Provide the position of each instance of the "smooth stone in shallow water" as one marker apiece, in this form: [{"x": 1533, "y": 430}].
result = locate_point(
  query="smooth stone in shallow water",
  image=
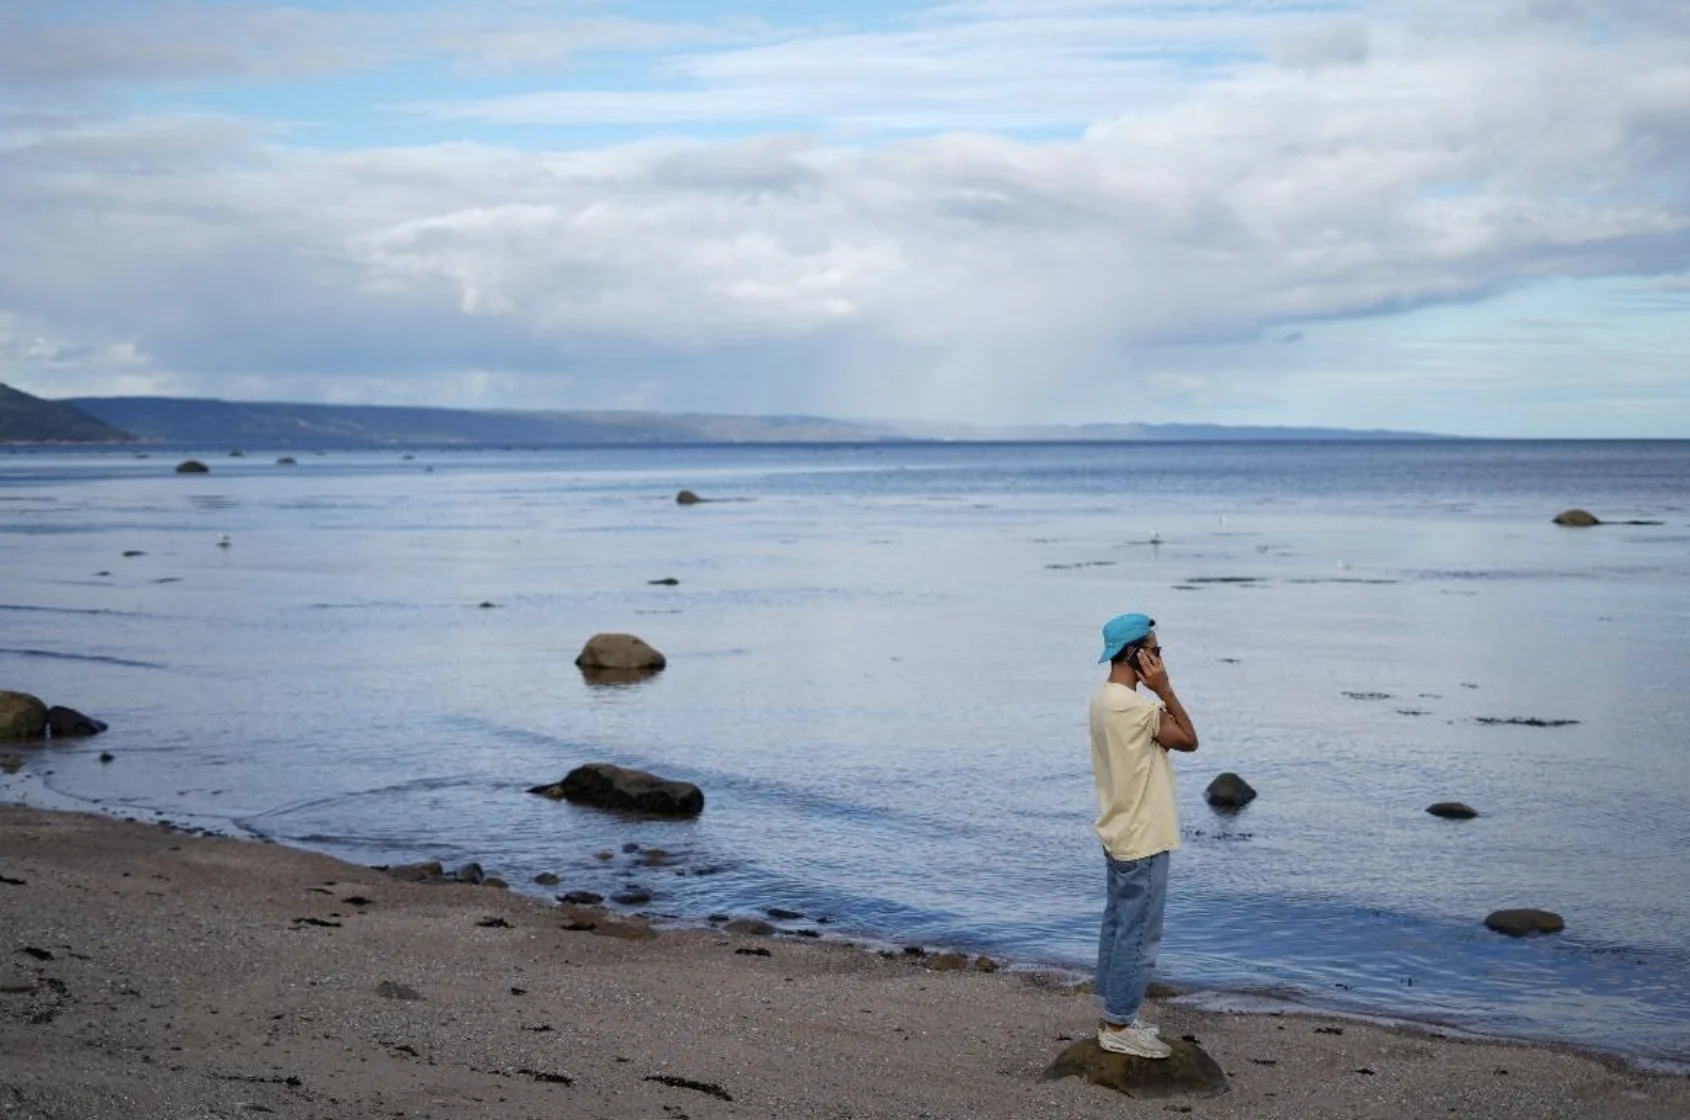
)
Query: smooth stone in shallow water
[
  {"x": 1452, "y": 811},
  {"x": 1577, "y": 518},
  {"x": 22, "y": 716},
  {"x": 1522, "y": 923},
  {"x": 607, "y": 786},
  {"x": 1187, "y": 1072},
  {"x": 192, "y": 466},
  {"x": 1229, "y": 791},
  {"x": 619, "y": 651},
  {"x": 68, "y": 723}
]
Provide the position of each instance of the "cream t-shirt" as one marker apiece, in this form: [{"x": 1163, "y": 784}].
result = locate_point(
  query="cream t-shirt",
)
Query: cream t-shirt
[{"x": 1135, "y": 778}]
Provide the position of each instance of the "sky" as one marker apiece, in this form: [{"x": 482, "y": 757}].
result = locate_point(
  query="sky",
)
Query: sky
[{"x": 1468, "y": 217}]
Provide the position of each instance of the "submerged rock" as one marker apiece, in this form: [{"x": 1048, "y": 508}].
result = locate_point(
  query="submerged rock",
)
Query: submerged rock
[
  {"x": 1522, "y": 923},
  {"x": 1229, "y": 791},
  {"x": 192, "y": 466},
  {"x": 22, "y": 716},
  {"x": 1452, "y": 810},
  {"x": 687, "y": 498},
  {"x": 1577, "y": 518},
  {"x": 614, "y": 787},
  {"x": 1188, "y": 1072}
]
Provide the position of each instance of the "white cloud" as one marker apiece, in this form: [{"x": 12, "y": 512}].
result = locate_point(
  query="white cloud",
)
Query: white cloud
[{"x": 1365, "y": 169}]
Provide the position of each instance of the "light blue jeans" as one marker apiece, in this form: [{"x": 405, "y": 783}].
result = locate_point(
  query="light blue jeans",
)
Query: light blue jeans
[{"x": 1131, "y": 935}]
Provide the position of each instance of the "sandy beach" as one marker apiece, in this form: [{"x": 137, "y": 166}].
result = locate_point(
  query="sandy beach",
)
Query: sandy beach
[{"x": 151, "y": 973}]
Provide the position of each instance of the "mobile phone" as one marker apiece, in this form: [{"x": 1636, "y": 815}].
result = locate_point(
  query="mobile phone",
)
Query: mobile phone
[{"x": 1132, "y": 658}]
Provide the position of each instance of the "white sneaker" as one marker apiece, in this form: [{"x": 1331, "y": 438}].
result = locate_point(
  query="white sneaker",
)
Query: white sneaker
[
  {"x": 1141, "y": 1024},
  {"x": 1134, "y": 1040}
]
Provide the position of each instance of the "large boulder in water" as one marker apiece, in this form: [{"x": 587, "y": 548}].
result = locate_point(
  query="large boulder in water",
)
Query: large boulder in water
[
  {"x": 1188, "y": 1072},
  {"x": 619, "y": 653},
  {"x": 1522, "y": 923},
  {"x": 631, "y": 791},
  {"x": 68, "y": 723},
  {"x": 22, "y": 716},
  {"x": 1578, "y": 518},
  {"x": 192, "y": 466},
  {"x": 1229, "y": 791}
]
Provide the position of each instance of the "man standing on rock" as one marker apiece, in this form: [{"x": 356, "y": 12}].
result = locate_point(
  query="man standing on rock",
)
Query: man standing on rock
[{"x": 1131, "y": 736}]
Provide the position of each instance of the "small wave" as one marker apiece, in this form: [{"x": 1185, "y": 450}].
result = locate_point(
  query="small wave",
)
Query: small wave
[
  {"x": 71, "y": 610},
  {"x": 82, "y": 657}
]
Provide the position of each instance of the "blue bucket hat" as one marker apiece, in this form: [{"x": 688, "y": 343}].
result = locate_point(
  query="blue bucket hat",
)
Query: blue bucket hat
[{"x": 1122, "y": 631}]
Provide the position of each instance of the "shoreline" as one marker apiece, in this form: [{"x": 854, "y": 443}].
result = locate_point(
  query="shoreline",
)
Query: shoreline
[
  {"x": 1193, "y": 994},
  {"x": 177, "y": 971}
]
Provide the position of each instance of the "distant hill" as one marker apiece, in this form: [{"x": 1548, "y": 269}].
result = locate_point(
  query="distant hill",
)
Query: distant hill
[
  {"x": 217, "y": 423},
  {"x": 27, "y": 419}
]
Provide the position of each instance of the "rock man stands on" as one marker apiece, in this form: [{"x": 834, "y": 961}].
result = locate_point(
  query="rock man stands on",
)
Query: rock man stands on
[{"x": 1138, "y": 823}]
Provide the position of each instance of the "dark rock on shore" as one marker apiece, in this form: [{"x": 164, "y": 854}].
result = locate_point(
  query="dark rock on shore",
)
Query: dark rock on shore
[
  {"x": 947, "y": 962},
  {"x": 619, "y": 652},
  {"x": 1452, "y": 810},
  {"x": 192, "y": 466},
  {"x": 1577, "y": 518},
  {"x": 613, "y": 787},
  {"x": 22, "y": 716},
  {"x": 1229, "y": 791},
  {"x": 68, "y": 723},
  {"x": 1188, "y": 1072},
  {"x": 749, "y": 927},
  {"x": 587, "y": 919},
  {"x": 417, "y": 872},
  {"x": 469, "y": 873},
  {"x": 581, "y": 898},
  {"x": 1522, "y": 923}
]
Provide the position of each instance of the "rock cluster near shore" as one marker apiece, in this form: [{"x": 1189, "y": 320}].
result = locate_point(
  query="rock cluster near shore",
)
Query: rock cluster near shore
[{"x": 24, "y": 717}]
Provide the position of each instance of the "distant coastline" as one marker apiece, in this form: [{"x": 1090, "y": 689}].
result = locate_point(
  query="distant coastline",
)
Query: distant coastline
[{"x": 206, "y": 422}]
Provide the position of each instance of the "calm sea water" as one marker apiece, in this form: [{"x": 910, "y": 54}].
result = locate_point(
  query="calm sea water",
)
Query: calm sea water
[{"x": 880, "y": 663}]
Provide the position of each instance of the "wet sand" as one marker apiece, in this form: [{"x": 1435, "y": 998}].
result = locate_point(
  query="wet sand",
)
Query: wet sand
[{"x": 148, "y": 973}]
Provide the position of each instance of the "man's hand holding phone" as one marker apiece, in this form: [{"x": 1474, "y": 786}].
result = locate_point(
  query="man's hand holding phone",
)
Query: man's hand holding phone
[
  {"x": 1175, "y": 731},
  {"x": 1153, "y": 672}
]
